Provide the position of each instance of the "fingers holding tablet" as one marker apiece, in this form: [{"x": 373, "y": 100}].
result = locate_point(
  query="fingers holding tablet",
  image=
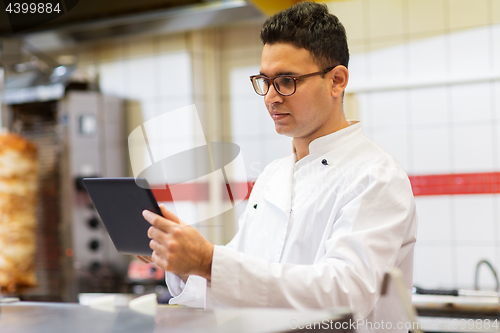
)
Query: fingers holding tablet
[{"x": 181, "y": 250}]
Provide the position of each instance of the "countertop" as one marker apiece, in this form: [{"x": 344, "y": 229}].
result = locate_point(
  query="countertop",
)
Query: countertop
[
  {"x": 35, "y": 317},
  {"x": 438, "y": 313},
  {"x": 482, "y": 306}
]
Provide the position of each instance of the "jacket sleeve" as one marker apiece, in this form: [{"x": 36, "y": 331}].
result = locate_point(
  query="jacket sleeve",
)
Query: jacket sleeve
[
  {"x": 192, "y": 293},
  {"x": 376, "y": 218},
  {"x": 195, "y": 292}
]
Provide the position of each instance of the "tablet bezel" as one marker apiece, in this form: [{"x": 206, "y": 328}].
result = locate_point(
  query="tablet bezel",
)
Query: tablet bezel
[{"x": 120, "y": 203}]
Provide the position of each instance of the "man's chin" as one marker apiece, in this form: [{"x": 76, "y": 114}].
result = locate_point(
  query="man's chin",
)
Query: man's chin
[{"x": 281, "y": 130}]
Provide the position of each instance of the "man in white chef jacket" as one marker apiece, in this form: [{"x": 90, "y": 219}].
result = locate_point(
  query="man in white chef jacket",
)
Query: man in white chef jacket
[{"x": 321, "y": 225}]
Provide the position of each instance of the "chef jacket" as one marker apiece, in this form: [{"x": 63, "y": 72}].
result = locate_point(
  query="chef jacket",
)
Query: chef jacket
[{"x": 318, "y": 233}]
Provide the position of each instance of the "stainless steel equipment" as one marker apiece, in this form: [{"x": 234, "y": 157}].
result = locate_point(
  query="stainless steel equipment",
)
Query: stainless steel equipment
[
  {"x": 92, "y": 126},
  {"x": 80, "y": 135}
]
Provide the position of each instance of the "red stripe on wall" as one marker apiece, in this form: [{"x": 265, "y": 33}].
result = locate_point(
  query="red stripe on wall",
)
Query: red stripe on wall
[
  {"x": 185, "y": 192},
  {"x": 239, "y": 191},
  {"x": 445, "y": 184},
  {"x": 459, "y": 183},
  {"x": 199, "y": 192}
]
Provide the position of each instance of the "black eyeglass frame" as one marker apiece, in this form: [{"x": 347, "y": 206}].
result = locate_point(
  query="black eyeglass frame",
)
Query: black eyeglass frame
[{"x": 294, "y": 78}]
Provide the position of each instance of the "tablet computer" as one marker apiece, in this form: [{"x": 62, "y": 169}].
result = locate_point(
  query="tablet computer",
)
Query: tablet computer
[{"x": 119, "y": 203}]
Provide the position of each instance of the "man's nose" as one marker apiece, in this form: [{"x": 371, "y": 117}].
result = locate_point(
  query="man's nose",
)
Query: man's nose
[{"x": 272, "y": 96}]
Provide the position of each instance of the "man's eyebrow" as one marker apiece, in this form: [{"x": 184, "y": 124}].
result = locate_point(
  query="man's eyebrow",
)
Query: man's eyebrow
[{"x": 281, "y": 73}]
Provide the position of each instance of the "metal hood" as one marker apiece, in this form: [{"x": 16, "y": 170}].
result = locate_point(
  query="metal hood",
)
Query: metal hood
[{"x": 203, "y": 14}]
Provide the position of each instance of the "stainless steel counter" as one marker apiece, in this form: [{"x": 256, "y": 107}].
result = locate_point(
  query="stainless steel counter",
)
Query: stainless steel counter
[
  {"x": 439, "y": 313},
  {"x": 31, "y": 317}
]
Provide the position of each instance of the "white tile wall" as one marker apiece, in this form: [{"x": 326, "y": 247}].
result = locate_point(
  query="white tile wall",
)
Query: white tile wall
[
  {"x": 246, "y": 118},
  {"x": 427, "y": 58},
  {"x": 472, "y": 149},
  {"x": 496, "y": 145},
  {"x": 396, "y": 143},
  {"x": 389, "y": 109},
  {"x": 469, "y": 52},
  {"x": 141, "y": 77},
  {"x": 450, "y": 125},
  {"x": 433, "y": 267},
  {"x": 365, "y": 110},
  {"x": 474, "y": 219},
  {"x": 388, "y": 64},
  {"x": 471, "y": 102},
  {"x": 188, "y": 210},
  {"x": 175, "y": 74},
  {"x": 496, "y": 100},
  {"x": 250, "y": 118},
  {"x": 176, "y": 123},
  {"x": 252, "y": 155},
  {"x": 159, "y": 83},
  {"x": 495, "y": 47},
  {"x": 149, "y": 108},
  {"x": 168, "y": 104},
  {"x": 240, "y": 80},
  {"x": 267, "y": 127},
  {"x": 359, "y": 69},
  {"x": 112, "y": 75},
  {"x": 434, "y": 220},
  {"x": 429, "y": 106},
  {"x": 431, "y": 151},
  {"x": 496, "y": 221},
  {"x": 277, "y": 146}
]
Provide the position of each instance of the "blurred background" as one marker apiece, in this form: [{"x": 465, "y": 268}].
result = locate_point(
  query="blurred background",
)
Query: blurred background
[{"x": 424, "y": 81}]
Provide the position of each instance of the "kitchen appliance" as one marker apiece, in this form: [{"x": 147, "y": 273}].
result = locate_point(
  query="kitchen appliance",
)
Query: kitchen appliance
[{"x": 78, "y": 134}]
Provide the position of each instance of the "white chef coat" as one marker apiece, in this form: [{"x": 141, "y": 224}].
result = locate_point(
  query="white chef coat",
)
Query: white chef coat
[{"x": 317, "y": 233}]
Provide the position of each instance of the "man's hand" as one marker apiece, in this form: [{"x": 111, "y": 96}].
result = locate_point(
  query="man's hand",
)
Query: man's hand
[{"x": 178, "y": 247}]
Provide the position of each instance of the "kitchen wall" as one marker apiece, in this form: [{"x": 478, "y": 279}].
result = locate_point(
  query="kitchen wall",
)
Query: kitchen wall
[
  {"x": 426, "y": 75},
  {"x": 424, "y": 82}
]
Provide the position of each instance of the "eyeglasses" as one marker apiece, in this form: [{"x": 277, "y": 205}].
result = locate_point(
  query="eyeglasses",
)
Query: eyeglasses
[{"x": 285, "y": 85}]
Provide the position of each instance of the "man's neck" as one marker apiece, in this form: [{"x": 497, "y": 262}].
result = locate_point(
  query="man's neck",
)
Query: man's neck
[{"x": 301, "y": 145}]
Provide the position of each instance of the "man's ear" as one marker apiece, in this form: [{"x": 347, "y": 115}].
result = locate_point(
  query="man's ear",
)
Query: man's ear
[{"x": 339, "y": 76}]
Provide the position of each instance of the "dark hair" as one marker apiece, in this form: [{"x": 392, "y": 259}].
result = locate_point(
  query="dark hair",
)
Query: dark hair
[{"x": 308, "y": 25}]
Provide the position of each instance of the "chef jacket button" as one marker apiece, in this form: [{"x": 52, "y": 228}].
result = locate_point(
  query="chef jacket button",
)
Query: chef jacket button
[{"x": 325, "y": 162}]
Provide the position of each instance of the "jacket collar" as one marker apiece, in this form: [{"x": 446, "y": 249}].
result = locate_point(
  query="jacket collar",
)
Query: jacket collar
[
  {"x": 336, "y": 139},
  {"x": 278, "y": 190}
]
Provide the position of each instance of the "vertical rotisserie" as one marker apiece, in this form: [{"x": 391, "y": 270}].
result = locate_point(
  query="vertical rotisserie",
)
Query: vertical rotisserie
[{"x": 18, "y": 189}]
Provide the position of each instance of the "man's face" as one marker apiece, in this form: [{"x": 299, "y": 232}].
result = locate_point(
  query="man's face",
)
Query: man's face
[{"x": 308, "y": 113}]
